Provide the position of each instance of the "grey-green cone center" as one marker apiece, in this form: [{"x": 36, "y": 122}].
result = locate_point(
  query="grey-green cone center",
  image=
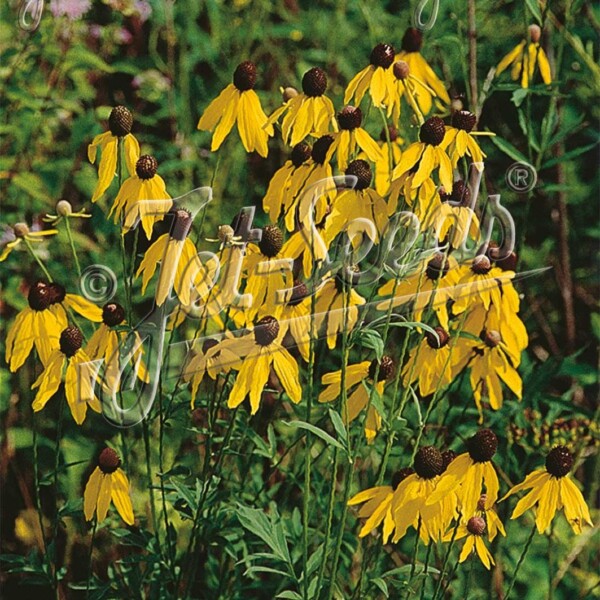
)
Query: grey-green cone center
[
  {"x": 108, "y": 461},
  {"x": 559, "y": 461},
  {"x": 266, "y": 331},
  {"x": 271, "y": 241},
  {"x": 146, "y": 166},
  {"x": 244, "y": 76},
  {"x": 314, "y": 82},
  {"x": 70, "y": 341},
  {"x": 428, "y": 462},
  {"x": 483, "y": 445},
  {"x": 120, "y": 121}
]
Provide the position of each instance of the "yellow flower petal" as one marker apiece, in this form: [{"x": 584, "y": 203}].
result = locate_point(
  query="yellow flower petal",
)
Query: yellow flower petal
[
  {"x": 120, "y": 496},
  {"x": 91, "y": 492}
]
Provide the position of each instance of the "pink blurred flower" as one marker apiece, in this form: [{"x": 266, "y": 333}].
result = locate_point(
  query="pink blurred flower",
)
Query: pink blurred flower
[{"x": 72, "y": 9}]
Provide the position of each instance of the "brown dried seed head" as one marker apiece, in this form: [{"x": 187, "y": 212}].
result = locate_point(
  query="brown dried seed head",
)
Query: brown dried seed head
[
  {"x": 442, "y": 338},
  {"x": 437, "y": 267},
  {"x": 300, "y": 154},
  {"x": 386, "y": 368},
  {"x": 463, "y": 119},
  {"x": 481, "y": 265},
  {"x": 481, "y": 502},
  {"x": 535, "y": 33},
  {"x": 320, "y": 149},
  {"x": 401, "y": 70},
  {"x": 399, "y": 476},
  {"x": 299, "y": 292},
  {"x": 447, "y": 457}
]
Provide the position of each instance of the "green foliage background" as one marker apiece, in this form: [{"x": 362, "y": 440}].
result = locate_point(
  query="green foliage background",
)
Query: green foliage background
[{"x": 59, "y": 84}]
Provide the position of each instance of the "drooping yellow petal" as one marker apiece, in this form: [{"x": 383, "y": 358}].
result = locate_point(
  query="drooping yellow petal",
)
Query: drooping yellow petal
[
  {"x": 104, "y": 496},
  {"x": 84, "y": 307},
  {"x": 49, "y": 381},
  {"x": 120, "y": 496},
  {"x": 227, "y": 119},
  {"x": 287, "y": 371},
  {"x": 91, "y": 493},
  {"x": 107, "y": 168},
  {"x": 19, "y": 340},
  {"x": 510, "y": 58}
]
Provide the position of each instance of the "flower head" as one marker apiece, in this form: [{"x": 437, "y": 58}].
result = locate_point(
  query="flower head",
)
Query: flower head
[
  {"x": 551, "y": 489},
  {"x": 238, "y": 103},
  {"x": 108, "y": 482},
  {"x": 120, "y": 123}
]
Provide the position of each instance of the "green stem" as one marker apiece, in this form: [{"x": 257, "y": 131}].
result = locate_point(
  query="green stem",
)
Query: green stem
[
  {"x": 90, "y": 571},
  {"x": 72, "y": 244},
  {"x": 519, "y": 563},
  {"x": 37, "y": 260}
]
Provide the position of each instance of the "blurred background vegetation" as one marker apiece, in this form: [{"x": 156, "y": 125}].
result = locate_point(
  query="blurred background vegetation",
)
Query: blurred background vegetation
[{"x": 166, "y": 60}]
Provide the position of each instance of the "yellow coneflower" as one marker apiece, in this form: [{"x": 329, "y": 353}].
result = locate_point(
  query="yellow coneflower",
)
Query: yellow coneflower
[
  {"x": 479, "y": 281},
  {"x": 523, "y": 58},
  {"x": 410, "y": 506},
  {"x": 285, "y": 184},
  {"x": 238, "y": 102},
  {"x": 104, "y": 344},
  {"x": 72, "y": 363},
  {"x": 268, "y": 274},
  {"x": 431, "y": 284},
  {"x": 181, "y": 268},
  {"x": 108, "y": 482},
  {"x": 377, "y": 78},
  {"x": 142, "y": 196},
  {"x": 212, "y": 359},
  {"x": 351, "y": 136},
  {"x": 308, "y": 244},
  {"x": 553, "y": 489},
  {"x": 432, "y": 363},
  {"x": 460, "y": 139},
  {"x": 64, "y": 210},
  {"x": 473, "y": 530},
  {"x": 427, "y": 155},
  {"x": 261, "y": 349},
  {"x": 411, "y": 55},
  {"x": 359, "y": 380},
  {"x": 21, "y": 232},
  {"x": 378, "y": 507},
  {"x": 310, "y": 112},
  {"x": 454, "y": 220},
  {"x": 120, "y": 122},
  {"x": 491, "y": 361},
  {"x": 42, "y": 322},
  {"x": 469, "y": 472},
  {"x": 494, "y": 525},
  {"x": 405, "y": 84},
  {"x": 337, "y": 306},
  {"x": 358, "y": 202}
]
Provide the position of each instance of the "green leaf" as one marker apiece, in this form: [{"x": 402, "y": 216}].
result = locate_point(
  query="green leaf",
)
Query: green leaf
[
  {"x": 382, "y": 585},
  {"x": 508, "y": 149},
  {"x": 569, "y": 155},
  {"x": 534, "y": 9},
  {"x": 338, "y": 424},
  {"x": 330, "y": 441},
  {"x": 289, "y": 595},
  {"x": 369, "y": 338}
]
